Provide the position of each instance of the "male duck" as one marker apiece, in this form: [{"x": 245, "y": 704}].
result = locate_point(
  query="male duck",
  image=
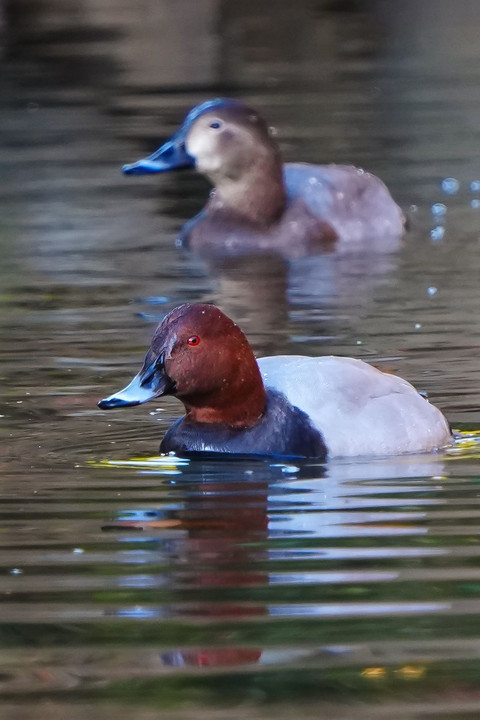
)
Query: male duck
[
  {"x": 258, "y": 203},
  {"x": 284, "y": 405}
]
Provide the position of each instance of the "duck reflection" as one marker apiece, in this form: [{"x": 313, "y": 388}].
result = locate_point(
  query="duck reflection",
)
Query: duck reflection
[
  {"x": 224, "y": 527},
  {"x": 220, "y": 528},
  {"x": 264, "y": 292}
]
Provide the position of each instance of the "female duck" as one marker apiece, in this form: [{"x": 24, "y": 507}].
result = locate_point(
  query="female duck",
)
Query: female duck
[
  {"x": 258, "y": 203},
  {"x": 285, "y": 405}
]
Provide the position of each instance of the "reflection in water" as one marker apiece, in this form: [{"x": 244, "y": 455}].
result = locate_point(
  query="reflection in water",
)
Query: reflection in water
[{"x": 226, "y": 533}]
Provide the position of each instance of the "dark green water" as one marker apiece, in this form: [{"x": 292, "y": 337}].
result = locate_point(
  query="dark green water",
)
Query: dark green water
[{"x": 143, "y": 589}]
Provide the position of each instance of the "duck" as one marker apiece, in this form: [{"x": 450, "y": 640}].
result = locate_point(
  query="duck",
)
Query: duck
[
  {"x": 284, "y": 405},
  {"x": 259, "y": 204}
]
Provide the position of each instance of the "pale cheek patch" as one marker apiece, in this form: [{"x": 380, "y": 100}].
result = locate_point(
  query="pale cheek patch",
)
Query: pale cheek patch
[{"x": 202, "y": 148}]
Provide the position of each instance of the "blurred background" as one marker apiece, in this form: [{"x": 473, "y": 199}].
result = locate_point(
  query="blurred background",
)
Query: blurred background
[{"x": 129, "y": 588}]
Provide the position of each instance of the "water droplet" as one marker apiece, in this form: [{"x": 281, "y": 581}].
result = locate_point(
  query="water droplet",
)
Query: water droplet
[
  {"x": 450, "y": 186},
  {"x": 78, "y": 551},
  {"x": 475, "y": 203},
  {"x": 16, "y": 571},
  {"x": 417, "y": 326},
  {"x": 475, "y": 186},
  {"x": 439, "y": 209},
  {"x": 432, "y": 290},
  {"x": 437, "y": 232},
  {"x": 413, "y": 208},
  {"x": 359, "y": 342},
  {"x": 360, "y": 171}
]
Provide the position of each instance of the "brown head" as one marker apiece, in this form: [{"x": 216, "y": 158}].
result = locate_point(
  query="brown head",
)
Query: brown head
[
  {"x": 231, "y": 144},
  {"x": 203, "y": 358}
]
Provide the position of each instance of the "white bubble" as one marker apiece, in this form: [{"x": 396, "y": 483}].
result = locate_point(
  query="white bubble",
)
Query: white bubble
[
  {"x": 432, "y": 290},
  {"x": 417, "y": 326},
  {"x": 475, "y": 203},
  {"x": 437, "y": 232},
  {"x": 475, "y": 186},
  {"x": 439, "y": 209},
  {"x": 450, "y": 186}
]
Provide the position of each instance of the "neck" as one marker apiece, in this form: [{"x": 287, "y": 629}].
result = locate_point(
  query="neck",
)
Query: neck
[
  {"x": 241, "y": 409},
  {"x": 258, "y": 196}
]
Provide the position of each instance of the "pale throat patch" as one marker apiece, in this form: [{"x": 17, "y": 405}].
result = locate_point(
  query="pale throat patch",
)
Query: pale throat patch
[{"x": 203, "y": 150}]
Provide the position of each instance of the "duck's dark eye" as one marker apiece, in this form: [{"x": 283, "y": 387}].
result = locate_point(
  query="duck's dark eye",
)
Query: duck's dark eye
[
  {"x": 215, "y": 124},
  {"x": 194, "y": 340}
]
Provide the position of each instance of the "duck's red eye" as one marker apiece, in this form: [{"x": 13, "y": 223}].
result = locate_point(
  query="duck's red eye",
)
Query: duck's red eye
[{"x": 194, "y": 340}]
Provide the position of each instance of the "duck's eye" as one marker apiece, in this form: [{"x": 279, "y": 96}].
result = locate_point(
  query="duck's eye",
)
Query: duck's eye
[
  {"x": 215, "y": 125},
  {"x": 194, "y": 340}
]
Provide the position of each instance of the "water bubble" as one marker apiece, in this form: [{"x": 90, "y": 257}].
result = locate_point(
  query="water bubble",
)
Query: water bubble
[
  {"x": 437, "y": 232},
  {"x": 432, "y": 290},
  {"x": 475, "y": 186},
  {"x": 359, "y": 342},
  {"x": 413, "y": 208},
  {"x": 16, "y": 571},
  {"x": 475, "y": 203},
  {"x": 450, "y": 186},
  {"x": 439, "y": 209},
  {"x": 417, "y": 326}
]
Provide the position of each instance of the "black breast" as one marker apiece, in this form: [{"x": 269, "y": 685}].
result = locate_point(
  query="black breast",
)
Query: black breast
[{"x": 282, "y": 430}]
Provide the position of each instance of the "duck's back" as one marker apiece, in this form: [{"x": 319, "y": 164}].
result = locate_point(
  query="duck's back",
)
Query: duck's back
[
  {"x": 358, "y": 409},
  {"x": 356, "y": 203}
]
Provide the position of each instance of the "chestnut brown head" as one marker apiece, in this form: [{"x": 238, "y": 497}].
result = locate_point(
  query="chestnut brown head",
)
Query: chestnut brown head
[{"x": 202, "y": 357}]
